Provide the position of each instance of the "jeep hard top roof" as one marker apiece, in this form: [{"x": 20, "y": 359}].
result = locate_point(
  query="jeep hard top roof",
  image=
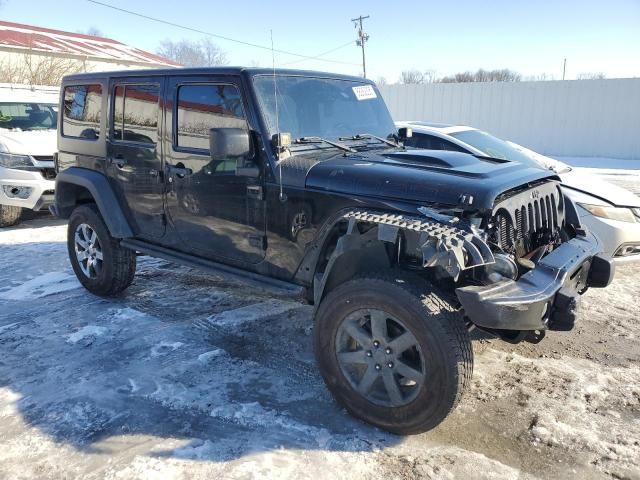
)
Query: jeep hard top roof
[{"x": 211, "y": 71}]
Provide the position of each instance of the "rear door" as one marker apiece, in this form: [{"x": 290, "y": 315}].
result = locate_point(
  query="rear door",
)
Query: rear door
[
  {"x": 216, "y": 213},
  {"x": 134, "y": 153}
]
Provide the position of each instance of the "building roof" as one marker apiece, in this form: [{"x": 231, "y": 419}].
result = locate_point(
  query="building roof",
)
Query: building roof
[{"x": 16, "y": 36}]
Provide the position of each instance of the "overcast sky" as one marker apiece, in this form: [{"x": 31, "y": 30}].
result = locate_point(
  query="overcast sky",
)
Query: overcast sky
[{"x": 528, "y": 36}]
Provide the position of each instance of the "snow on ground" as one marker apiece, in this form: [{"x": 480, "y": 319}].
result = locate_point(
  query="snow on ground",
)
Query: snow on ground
[
  {"x": 189, "y": 376},
  {"x": 40, "y": 286},
  {"x": 86, "y": 331}
]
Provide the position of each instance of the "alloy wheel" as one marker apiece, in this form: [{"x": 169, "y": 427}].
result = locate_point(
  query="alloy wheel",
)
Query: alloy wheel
[
  {"x": 88, "y": 250},
  {"x": 380, "y": 357}
]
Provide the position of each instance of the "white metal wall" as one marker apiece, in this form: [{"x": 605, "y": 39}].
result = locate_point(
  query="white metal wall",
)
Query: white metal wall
[{"x": 587, "y": 118}]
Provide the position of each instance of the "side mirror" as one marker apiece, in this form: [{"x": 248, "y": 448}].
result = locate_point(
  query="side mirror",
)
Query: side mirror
[
  {"x": 404, "y": 133},
  {"x": 228, "y": 143},
  {"x": 232, "y": 143}
]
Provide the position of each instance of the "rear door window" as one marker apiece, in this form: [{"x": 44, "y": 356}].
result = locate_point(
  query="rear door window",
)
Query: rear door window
[{"x": 135, "y": 113}]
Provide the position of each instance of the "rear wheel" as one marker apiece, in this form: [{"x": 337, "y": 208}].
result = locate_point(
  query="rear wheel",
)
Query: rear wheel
[
  {"x": 394, "y": 356},
  {"x": 101, "y": 264},
  {"x": 9, "y": 215}
]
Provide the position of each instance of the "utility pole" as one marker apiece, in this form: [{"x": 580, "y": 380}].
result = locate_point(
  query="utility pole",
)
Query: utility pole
[
  {"x": 564, "y": 68},
  {"x": 362, "y": 39}
]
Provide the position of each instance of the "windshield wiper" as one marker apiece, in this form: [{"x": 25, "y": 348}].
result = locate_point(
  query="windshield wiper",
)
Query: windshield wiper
[
  {"x": 307, "y": 140},
  {"x": 367, "y": 136}
]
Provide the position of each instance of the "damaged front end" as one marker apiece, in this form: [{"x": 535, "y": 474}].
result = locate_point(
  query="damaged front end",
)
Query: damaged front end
[{"x": 517, "y": 271}]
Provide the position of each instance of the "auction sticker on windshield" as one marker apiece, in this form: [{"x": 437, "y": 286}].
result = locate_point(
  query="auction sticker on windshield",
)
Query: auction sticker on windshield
[{"x": 364, "y": 92}]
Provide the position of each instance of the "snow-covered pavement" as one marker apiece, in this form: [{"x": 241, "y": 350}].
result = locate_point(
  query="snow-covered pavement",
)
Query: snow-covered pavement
[{"x": 189, "y": 376}]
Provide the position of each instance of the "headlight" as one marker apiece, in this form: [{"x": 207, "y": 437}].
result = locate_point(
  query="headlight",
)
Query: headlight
[
  {"x": 612, "y": 213},
  {"x": 9, "y": 160}
]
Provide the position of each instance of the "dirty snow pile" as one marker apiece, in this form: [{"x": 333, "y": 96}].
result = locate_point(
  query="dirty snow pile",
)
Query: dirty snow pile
[{"x": 578, "y": 405}]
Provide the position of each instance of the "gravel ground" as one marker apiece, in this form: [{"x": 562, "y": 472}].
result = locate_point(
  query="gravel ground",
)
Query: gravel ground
[{"x": 189, "y": 376}]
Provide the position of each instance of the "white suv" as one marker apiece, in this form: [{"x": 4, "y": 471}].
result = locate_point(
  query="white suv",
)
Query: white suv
[{"x": 28, "y": 121}]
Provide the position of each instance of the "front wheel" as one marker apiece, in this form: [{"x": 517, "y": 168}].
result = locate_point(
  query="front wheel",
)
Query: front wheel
[
  {"x": 101, "y": 264},
  {"x": 394, "y": 356}
]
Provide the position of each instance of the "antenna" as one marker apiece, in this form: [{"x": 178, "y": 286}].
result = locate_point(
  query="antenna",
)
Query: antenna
[
  {"x": 282, "y": 196},
  {"x": 275, "y": 86}
]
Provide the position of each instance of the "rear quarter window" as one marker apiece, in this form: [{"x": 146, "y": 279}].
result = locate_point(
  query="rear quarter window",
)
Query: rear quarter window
[{"x": 82, "y": 109}]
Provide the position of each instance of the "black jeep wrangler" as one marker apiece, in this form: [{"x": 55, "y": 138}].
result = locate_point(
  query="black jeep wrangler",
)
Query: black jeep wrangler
[{"x": 299, "y": 181}]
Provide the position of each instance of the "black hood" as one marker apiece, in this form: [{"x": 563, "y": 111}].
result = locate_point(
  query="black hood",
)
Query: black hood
[{"x": 423, "y": 176}]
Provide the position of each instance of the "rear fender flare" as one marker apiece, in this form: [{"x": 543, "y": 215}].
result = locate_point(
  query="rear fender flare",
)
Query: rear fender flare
[{"x": 100, "y": 190}]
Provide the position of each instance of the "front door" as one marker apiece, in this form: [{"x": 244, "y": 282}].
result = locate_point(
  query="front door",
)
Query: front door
[
  {"x": 134, "y": 156},
  {"x": 215, "y": 213}
]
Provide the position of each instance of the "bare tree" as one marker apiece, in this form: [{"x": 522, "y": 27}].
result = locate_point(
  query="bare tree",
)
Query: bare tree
[
  {"x": 11, "y": 72},
  {"x": 213, "y": 54},
  {"x": 541, "y": 77},
  {"x": 591, "y": 76},
  {"x": 411, "y": 77},
  {"x": 34, "y": 69},
  {"x": 203, "y": 53},
  {"x": 429, "y": 76},
  {"x": 414, "y": 76},
  {"x": 481, "y": 75},
  {"x": 92, "y": 32},
  {"x": 47, "y": 70},
  {"x": 462, "y": 77}
]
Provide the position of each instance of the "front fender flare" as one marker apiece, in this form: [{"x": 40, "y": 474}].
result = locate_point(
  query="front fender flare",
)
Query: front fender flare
[{"x": 440, "y": 245}]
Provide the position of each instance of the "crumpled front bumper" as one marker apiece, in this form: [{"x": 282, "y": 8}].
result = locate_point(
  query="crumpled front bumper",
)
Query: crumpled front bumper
[{"x": 544, "y": 298}]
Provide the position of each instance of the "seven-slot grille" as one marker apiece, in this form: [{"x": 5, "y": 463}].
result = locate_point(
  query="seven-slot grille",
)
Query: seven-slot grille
[{"x": 525, "y": 218}]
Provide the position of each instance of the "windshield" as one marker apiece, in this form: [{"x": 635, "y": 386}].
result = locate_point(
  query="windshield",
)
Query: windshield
[
  {"x": 322, "y": 107},
  {"x": 494, "y": 147},
  {"x": 28, "y": 116}
]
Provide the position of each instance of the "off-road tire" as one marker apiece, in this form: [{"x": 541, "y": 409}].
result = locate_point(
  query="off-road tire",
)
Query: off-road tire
[
  {"x": 436, "y": 324},
  {"x": 118, "y": 264},
  {"x": 9, "y": 215}
]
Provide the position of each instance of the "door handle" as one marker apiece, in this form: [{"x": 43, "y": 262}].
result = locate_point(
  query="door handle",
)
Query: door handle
[{"x": 254, "y": 191}]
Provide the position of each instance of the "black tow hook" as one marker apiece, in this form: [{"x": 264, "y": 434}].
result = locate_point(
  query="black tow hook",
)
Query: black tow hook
[
  {"x": 601, "y": 272},
  {"x": 565, "y": 310}
]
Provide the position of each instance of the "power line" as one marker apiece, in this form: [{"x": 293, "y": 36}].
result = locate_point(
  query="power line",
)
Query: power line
[
  {"x": 317, "y": 57},
  {"x": 202, "y": 32}
]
